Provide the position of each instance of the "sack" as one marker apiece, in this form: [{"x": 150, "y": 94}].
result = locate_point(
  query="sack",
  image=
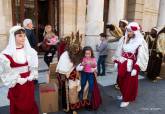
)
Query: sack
[{"x": 96, "y": 96}]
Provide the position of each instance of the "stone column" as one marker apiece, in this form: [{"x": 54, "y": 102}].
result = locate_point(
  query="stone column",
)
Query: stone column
[
  {"x": 80, "y": 15},
  {"x": 94, "y": 22},
  {"x": 161, "y": 16},
  {"x": 150, "y": 14},
  {"x": 2, "y": 19},
  {"x": 5, "y": 21},
  {"x": 116, "y": 11},
  {"x": 72, "y": 16}
]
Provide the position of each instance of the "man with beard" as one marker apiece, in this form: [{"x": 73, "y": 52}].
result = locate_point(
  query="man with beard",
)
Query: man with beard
[
  {"x": 68, "y": 76},
  {"x": 154, "y": 63},
  {"x": 117, "y": 32}
]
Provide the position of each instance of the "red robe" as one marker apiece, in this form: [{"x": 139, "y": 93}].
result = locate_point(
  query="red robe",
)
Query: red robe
[
  {"x": 22, "y": 97},
  {"x": 61, "y": 48},
  {"x": 128, "y": 84}
]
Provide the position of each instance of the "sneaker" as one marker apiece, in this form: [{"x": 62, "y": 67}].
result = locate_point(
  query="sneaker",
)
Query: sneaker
[
  {"x": 159, "y": 78},
  {"x": 89, "y": 108},
  {"x": 124, "y": 104},
  {"x": 119, "y": 97},
  {"x": 74, "y": 112},
  {"x": 102, "y": 74},
  {"x": 50, "y": 54},
  {"x": 154, "y": 81},
  {"x": 117, "y": 86}
]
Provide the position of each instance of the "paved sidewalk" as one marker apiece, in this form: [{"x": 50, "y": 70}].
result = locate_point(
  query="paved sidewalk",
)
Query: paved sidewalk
[{"x": 150, "y": 98}]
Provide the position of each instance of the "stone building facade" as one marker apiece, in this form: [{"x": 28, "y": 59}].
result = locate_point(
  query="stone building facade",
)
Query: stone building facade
[{"x": 87, "y": 16}]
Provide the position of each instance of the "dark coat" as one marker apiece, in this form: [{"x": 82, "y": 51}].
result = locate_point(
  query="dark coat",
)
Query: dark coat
[{"x": 31, "y": 37}]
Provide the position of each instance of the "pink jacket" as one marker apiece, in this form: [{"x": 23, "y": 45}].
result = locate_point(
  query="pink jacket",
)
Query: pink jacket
[{"x": 89, "y": 64}]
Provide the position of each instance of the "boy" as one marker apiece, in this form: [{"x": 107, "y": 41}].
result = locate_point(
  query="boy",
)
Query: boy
[{"x": 102, "y": 49}]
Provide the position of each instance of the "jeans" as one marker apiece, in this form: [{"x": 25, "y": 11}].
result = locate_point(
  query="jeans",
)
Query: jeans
[
  {"x": 101, "y": 64},
  {"x": 48, "y": 59},
  {"x": 84, "y": 78}
]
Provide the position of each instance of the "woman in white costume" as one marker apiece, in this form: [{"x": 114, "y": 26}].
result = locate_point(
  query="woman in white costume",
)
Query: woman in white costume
[
  {"x": 131, "y": 57},
  {"x": 18, "y": 69}
]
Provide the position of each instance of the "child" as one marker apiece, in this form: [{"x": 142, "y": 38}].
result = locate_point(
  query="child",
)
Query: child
[
  {"x": 89, "y": 66},
  {"x": 18, "y": 69},
  {"x": 102, "y": 49},
  {"x": 49, "y": 44}
]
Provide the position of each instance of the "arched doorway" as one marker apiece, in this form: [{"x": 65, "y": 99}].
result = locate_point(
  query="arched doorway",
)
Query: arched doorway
[{"x": 41, "y": 12}]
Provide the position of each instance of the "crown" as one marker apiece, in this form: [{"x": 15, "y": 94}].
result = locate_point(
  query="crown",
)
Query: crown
[{"x": 74, "y": 39}]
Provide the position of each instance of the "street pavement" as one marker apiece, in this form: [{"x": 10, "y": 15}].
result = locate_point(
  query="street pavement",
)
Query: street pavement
[{"x": 150, "y": 100}]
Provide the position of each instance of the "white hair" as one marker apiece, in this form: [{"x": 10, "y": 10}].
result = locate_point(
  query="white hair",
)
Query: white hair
[{"x": 26, "y": 22}]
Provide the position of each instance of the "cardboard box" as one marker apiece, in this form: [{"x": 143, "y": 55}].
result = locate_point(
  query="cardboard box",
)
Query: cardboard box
[
  {"x": 54, "y": 81},
  {"x": 52, "y": 74},
  {"x": 49, "y": 101},
  {"x": 51, "y": 80},
  {"x": 52, "y": 70}
]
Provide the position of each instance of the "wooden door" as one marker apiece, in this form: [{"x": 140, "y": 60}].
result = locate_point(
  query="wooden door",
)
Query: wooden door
[{"x": 42, "y": 12}]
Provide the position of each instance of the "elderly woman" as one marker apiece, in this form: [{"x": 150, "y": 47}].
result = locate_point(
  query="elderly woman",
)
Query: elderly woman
[
  {"x": 131, "y": 57},
  {"x": 28, "y": 25},
  {"x": 18, "y": 69}
]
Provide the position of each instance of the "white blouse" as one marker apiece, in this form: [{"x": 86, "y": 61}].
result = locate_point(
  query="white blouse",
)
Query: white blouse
[
  {"x": 143, "y": 54},
  {"x": 10, "y": 75}
]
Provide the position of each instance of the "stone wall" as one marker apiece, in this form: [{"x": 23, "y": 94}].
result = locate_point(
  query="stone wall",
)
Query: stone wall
[
  {"x": 72, "y": 16},
  {"x": 5, "y": 21},
  {"x": 161, "y": 15},
  {"x": 144, "y": 12},
  {"x": 117, "y": 11},
  {"x": 150, "y": 15}
]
